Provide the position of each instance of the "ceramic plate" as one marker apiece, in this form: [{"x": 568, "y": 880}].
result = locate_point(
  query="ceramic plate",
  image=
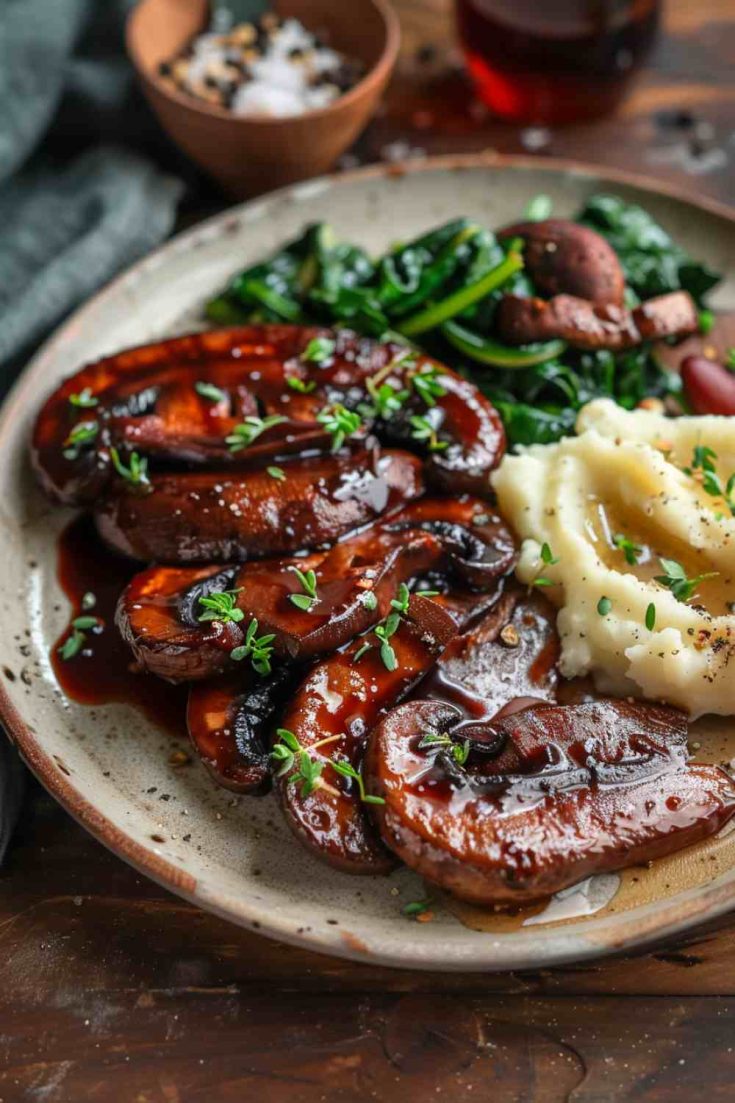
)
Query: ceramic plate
[{"x": 109, "y": 766}]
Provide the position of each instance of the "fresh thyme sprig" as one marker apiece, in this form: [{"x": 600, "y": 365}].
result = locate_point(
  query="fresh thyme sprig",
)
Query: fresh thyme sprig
[
  {"x": 209, "y": 391},
  {"x": 220, "y": 606},
  {"x": 286, "y": 752},
  {"x": 250, "y": 429},
  {"x": 630, "y": 550},
  {"x": 548, "y": 559},
  {"x": 289, "y": 753},
  {"x": 675, "y": 579},
  {"x": 423, "y": 430},
  {"x": 301, "y": 386},
  {"x": 84, "y": 432},
  {"x": 346, "y": 769},
  {"x": 703, "y": 469},
  {"x": 383, "y": 632},
  {"x": 426, "y": 384},
  {"x": 340, "y": 423},
  {"x": 438, "y": 741},
  {"x": 386, "y": 400},
  {"x": 257, "y": 648},
  {"x": 307, "y": 580},
  {"x": 401, "y": 600},
  {"x": 85, "y": 400},
  {"x": 319, "y": 350},
  {"x": 136, "y": 472},
  {"x": 74, "y": 642},
  {"x": 389, "y": 626}
]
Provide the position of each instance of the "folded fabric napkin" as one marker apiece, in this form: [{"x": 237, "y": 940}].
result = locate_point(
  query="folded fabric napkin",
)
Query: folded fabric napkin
[{"x": 74, "y": 207}]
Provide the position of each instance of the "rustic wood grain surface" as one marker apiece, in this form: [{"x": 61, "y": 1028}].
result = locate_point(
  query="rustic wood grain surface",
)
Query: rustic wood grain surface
[{"x": 113, "y": 991}]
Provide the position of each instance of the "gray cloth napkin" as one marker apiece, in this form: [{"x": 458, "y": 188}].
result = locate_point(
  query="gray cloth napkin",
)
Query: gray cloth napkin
[{"x": 79, "y": 197}]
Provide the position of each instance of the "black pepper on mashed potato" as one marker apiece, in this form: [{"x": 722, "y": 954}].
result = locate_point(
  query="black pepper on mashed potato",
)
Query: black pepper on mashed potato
[
  {"x": 629, "y": 527},
  {"x": 272, "y": 67}
]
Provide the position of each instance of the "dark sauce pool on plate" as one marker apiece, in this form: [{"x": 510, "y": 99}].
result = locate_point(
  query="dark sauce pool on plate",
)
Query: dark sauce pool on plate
[{"x": 104, "y": 670}]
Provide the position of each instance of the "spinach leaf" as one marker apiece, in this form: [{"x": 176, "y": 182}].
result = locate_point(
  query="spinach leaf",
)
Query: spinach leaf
[
  {"x": 653, "y": 264},
  {"x": 540, "y": 404}
]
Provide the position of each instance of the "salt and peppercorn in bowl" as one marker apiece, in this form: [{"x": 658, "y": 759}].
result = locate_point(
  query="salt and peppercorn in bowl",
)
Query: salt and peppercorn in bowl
[{"x": 254, "y": 152}]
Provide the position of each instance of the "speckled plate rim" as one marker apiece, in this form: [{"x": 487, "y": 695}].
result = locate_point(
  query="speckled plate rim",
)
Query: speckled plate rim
[{"x": 548, "y": 945}]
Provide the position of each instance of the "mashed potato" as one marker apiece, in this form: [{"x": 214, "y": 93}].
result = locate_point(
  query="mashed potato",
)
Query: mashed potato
[{"x": 609, "y": 505}]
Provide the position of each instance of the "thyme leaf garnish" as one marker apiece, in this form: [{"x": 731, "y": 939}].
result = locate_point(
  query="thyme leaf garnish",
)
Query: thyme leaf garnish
[
  {"x": 416, "y": 907},
  {"x": 675, "y": 579},
  {"x": 423, "y": 430},
  {"x": 84, "y": 399},
  {"x": 84, "y": 432},
  {"x": 220, "y": 606},
  {"x": 300, "y": 385},
  {"x": 438, "y": 741},
  {"x": 319, "y": 350},
  {"x": 346, "y": 769},
  {"x": 339, "y": 422},
  {"x": 307, "y": 579},
  {"x": 257, "y": 648},
  {"x": 426, "y": 384},
  {"x": 250, "y": 429},
  {"x": 136, "y": 472},
  {"x": 77, "y": 638},
  {"x": 630, "y": 550},
  {"x": 209, "y": 391}
]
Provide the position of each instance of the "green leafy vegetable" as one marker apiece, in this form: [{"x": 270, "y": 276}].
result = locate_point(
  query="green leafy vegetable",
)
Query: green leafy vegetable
[
  {"x": 442, "y": 289},
  {"x": 653, "y": 264}
]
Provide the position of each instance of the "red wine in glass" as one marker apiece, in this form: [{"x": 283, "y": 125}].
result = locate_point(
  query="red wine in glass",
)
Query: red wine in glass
[{"x": 555, "y": 61}]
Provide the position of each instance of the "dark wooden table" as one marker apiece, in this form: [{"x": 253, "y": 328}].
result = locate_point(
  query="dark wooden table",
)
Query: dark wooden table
[{"x": 113, "y": 991}]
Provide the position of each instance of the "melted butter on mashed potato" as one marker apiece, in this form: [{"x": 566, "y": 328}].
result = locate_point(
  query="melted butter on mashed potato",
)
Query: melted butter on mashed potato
[{"x": 623, "y": 476}]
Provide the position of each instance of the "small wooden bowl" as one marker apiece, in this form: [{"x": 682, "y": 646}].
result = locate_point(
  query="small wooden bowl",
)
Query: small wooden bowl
[{"x": 252, "y": 154}]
